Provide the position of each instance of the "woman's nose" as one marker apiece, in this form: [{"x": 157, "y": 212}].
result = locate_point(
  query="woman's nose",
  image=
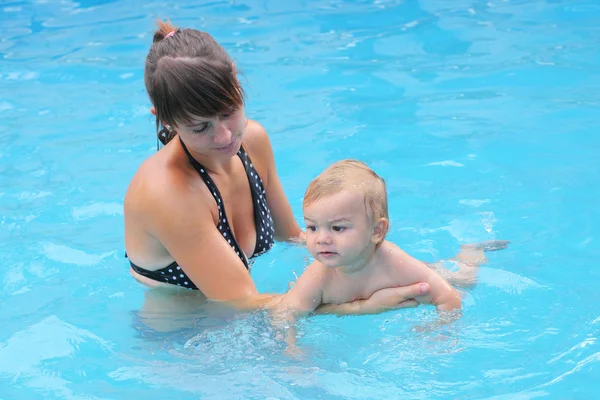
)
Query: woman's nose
[{"x": 222, "y": 134}]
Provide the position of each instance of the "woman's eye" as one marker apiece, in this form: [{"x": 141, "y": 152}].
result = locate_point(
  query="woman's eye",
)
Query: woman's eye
[
  {"x": 201, "y": 129},
  {"x": 339, "y": 228},
  {"x": 228, "y": 113}
]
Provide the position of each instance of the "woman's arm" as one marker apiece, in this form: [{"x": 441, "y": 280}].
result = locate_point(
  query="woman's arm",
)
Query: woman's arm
[
  {"x": 382, "y": 300},
  {"x": 183, "y": 223}
]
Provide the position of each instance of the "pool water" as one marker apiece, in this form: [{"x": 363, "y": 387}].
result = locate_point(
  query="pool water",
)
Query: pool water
[{"x": 482, "y": 116}]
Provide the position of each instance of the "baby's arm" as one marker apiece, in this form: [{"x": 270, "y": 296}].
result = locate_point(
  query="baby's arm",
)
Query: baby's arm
[
  {"x": 441, "y": 293},
  {"x": 306, "y": 295},
  {"x": 303, "y": 298}
]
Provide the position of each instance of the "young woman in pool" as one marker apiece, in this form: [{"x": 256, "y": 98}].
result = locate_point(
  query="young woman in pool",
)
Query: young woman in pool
[{"x": 210, "y": 200}]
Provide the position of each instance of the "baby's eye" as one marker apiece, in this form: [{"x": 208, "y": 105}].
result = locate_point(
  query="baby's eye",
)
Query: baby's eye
[
  {"x": 201, "y": 128},
  {"x": 311, "y": 228},
  {"x": 339, "y": 228}
]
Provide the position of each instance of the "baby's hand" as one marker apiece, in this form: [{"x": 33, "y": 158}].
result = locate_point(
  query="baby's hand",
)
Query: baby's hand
[
  {"x": 300, "y": 239},
  {"x": 294, "y": 352},
  {"x": 291, "y": 350}
]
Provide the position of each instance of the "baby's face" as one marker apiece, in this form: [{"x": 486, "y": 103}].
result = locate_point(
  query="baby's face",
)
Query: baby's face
[{"x": 338, "y": 229}]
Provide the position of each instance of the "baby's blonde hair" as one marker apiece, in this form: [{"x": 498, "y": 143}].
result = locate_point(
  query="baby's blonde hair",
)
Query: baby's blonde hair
[{"x": 351, "y": 175}]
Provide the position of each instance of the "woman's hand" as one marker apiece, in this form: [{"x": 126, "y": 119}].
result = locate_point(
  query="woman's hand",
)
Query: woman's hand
[{"x": 298, "y": 239}]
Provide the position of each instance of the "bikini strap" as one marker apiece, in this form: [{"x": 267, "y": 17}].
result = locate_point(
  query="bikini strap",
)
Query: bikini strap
[{"x": 223, "y": 219}]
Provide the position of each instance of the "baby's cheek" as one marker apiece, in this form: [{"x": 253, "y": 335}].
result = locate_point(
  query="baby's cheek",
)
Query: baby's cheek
[{"x": 309, "y": 242}]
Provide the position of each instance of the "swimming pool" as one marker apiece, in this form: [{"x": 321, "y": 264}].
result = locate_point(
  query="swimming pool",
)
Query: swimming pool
[{"x": 482, "y": 117}]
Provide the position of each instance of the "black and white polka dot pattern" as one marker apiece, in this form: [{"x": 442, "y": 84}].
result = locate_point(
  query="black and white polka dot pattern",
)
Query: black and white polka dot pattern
[
  {"x": 265, "y": 232},
  {"x": 263, "y": 221}
]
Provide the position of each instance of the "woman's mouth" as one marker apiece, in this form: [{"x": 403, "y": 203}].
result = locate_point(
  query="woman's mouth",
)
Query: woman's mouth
[{"x": 229, "y": 147}]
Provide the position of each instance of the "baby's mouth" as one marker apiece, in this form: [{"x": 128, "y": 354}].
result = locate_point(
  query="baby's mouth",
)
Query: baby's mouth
[{"x": 328, "y": 254}]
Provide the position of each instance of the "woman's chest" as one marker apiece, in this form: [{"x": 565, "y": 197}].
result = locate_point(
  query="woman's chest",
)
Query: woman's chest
[{"x": 234, "y": 210}]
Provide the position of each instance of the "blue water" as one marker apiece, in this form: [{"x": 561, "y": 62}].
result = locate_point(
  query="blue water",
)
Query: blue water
[{"x": 482, "y": 117}]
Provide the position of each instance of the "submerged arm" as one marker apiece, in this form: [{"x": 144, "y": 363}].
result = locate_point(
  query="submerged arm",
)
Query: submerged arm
[{"x": 302, "y": 299}]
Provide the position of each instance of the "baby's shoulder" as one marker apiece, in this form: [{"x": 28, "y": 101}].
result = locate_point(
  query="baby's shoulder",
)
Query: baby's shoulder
[
  {"x": 390, "y": 253},
  {"x": 394, "y": 257},
  {"x": 316, "y": 270},
  {"x": 326, "y": 277}
]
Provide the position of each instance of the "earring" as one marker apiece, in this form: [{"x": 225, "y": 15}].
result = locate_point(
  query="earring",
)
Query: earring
[{"x": 164, "y": 135}]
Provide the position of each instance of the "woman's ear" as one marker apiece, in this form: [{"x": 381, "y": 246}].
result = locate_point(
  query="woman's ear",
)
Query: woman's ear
[
  {"x": 380, "y": 230},
  {"x": 153, "y": 110}
]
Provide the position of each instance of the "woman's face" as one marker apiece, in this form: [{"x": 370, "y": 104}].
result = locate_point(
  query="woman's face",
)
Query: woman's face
[{"x": 219, "y": 136}]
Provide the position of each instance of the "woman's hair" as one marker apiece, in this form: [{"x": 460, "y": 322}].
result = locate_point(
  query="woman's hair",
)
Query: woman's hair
[
  {"x": 188, "y": 74},
  {"x": 352, "y": 175}
]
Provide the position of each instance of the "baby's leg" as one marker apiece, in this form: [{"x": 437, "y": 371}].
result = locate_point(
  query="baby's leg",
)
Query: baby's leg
[
  {"x": 468, "y": 260},
  {"x": 465, "y": 277}
]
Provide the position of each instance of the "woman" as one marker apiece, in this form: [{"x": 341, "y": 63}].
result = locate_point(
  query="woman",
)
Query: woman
[{"x": 210, "y": 199}]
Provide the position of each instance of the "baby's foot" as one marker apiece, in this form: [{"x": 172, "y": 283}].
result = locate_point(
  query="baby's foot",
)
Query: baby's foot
[{"x": 488, "y": 245}]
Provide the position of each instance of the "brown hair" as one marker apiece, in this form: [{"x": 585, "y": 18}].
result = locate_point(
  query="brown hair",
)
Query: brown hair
[
  {"x": 188, "y": 74},
  {"x": 351, "y": 175}
]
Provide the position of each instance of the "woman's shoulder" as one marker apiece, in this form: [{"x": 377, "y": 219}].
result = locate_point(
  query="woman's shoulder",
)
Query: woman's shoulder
[
  {"x": 256, "y": 139},
  {"x": 257, "y": 144},
  {"x": 161, "y": 180}
]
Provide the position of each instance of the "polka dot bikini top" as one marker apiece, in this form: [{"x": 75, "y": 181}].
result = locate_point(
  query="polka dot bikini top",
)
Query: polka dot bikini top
[{"x": 173, "y": 273}]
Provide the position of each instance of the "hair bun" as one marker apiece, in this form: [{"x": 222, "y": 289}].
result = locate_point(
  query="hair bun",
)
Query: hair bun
[{"x": 164, "y": 29}]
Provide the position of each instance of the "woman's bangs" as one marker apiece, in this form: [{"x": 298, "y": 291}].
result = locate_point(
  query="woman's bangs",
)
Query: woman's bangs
[{"x": 214, "y": 92}]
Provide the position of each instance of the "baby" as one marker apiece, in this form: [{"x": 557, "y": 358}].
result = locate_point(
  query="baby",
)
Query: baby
[{"x": 346, "y": 215}]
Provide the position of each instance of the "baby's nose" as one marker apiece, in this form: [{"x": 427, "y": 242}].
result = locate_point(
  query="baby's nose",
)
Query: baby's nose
[{"x": 324, "y": 237}]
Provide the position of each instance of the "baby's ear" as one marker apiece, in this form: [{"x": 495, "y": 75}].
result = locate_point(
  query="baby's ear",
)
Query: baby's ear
[{"x": 380, "y": 230}]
